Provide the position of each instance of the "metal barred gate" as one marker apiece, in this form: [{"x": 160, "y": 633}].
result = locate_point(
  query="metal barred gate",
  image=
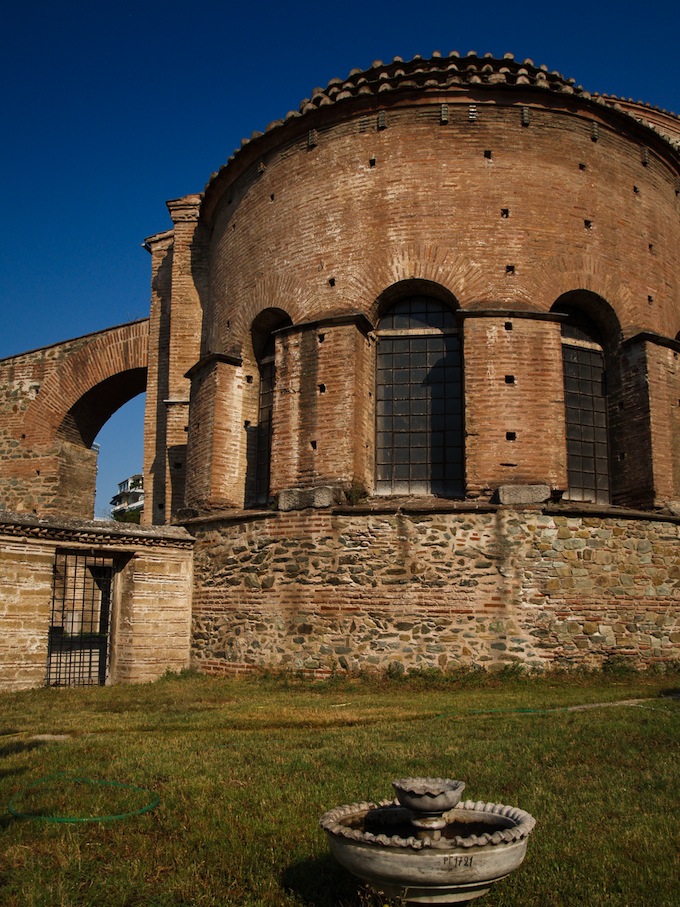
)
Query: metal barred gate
[{"x": 78, "y": 647}]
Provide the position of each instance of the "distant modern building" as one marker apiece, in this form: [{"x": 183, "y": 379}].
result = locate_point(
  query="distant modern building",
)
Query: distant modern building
[
  {"x": 412, "y": 397},
  {"x": 130, "y": 497}
]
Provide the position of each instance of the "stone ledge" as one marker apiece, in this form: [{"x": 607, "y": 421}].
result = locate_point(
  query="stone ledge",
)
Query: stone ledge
[
  {"x": 523, "y": 494},
  {"x": 92, "y": 531},
  {"x": 318, "y": 497}
]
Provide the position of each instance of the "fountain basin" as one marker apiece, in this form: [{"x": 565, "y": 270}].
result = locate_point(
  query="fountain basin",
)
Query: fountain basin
[{"x": 479, "y": 844}]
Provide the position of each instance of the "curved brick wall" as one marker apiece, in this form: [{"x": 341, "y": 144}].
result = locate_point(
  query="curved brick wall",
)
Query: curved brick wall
[
  {"x": 501, "y": 189},
  {"x": 387, "y": 186},
  {"x": 492, "y": 183},
  {"x": 496, "y": 188},
  {"x": 368, "y": 207}
]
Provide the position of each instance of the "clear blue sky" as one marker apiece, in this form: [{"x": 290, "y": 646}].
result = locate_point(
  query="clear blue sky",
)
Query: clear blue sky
[{"x": 110, "y": 109}]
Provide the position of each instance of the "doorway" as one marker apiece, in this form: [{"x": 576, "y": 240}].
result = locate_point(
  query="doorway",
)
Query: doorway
[{"x": 80, "y": 620}]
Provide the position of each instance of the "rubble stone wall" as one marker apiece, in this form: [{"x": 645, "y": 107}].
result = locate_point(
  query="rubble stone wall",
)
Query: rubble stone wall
[{"x": 364, "y": 588}]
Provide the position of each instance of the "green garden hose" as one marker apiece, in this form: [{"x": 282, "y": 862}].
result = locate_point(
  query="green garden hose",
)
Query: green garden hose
[{"x": 62, "y": 776}]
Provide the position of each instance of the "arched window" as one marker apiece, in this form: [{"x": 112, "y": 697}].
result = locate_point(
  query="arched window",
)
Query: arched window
[
  {"x": 419, "y": 400},
  {"x": 263, "y": 452},
  {"x": 259, "y": 404},
  {"x": 585, "y": 393}
]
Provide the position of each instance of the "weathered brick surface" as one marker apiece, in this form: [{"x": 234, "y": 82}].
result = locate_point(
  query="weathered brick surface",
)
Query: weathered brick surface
[
  {"x": 53, "y": 401},
  {"x": 501, "y": 216},
  {"x": 152, "y": 625},
  {"x": 514, "y": 404},
  {"x": 323, "y": 411},
  {"x": 497, "y": 187},
  {"x": 151, "y": 608},
  {"x": 175, "y": 331},
  {"x": 215, "y": 454},
  {"x": 25, "y": 598}
]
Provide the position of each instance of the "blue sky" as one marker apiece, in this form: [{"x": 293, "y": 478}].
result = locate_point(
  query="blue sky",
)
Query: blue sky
[{"x": 108, "y": 110}]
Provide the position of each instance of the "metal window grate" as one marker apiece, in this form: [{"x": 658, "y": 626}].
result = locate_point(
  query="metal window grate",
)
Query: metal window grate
[
  {"x": 586, "y": 424},
  {"x": 78, "y": 645},
  {"x": 264, "y": 429},
  {"x": 419, "y": 401}
]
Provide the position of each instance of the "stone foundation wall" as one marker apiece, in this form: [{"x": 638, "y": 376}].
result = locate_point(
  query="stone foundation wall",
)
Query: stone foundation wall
[{"x": 371, "y": 588}]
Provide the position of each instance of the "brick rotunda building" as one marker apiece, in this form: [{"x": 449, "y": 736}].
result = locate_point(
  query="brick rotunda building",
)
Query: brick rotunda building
[{"x": 413, "y": 379}]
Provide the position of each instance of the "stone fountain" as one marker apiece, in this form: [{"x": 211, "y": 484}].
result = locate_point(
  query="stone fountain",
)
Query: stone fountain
[{"x": 426, "y": 847}]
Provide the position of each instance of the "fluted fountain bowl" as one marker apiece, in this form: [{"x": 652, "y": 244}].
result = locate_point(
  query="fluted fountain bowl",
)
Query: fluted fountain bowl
[
  {"x": 454, "y": 860},
  {"x": 431, "y": 796}
]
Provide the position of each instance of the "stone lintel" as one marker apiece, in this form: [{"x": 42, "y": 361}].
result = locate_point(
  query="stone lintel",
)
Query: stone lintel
[
  {"x": 304, "y": 498},
  {"x": 651, "y": 337},
  {"x": 185, "y": 209},
  {"x": 510, "y": 313},
  {"x": 523, "y": 494}
]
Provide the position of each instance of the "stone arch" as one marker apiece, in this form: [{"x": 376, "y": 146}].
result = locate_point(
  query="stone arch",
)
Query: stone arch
[{"x": 91, "y": 379}]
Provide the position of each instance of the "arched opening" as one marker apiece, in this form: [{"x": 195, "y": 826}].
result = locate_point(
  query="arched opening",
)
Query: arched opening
[
  {"x": 419, "y": 400},
  {"x": 585, "y": 400},
  {"x": 120, "y": 459},
  {"x": 85, "y": 467},
  {"x": 590, "y": 343},
  {"x": 260, "y": 402}
]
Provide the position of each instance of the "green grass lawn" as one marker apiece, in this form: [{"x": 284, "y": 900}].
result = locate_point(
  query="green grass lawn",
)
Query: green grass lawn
[{"x": 244, "y": 769}]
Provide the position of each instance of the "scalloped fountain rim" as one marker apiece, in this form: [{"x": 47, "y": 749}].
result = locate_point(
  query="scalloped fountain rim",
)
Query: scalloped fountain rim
[
  {"x": 428, "y": 795},
  {"x": 522, "y": 827}
]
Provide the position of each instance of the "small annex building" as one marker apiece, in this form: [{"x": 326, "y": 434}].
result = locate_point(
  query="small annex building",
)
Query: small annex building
[{"x": 413, "y": 390}]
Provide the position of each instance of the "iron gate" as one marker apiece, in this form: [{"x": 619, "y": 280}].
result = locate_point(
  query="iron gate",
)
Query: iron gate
[{"x": 78, "y": 647}]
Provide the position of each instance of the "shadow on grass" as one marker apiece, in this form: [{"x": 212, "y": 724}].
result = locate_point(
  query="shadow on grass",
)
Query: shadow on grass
[
  {"x": 321, "y": 882},
  {"x": 14, "y": 749},
  {"x": 6, "y": 819}
]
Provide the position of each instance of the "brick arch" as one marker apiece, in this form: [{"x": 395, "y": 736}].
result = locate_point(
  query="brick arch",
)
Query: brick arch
[
  {"x": 271, "y": 292},
  {"x": 595, "y": 307},
  {"x": 590, "y": 276},
  {"x": 414, "y": 287},
  {"x": 87, "y": 386}
]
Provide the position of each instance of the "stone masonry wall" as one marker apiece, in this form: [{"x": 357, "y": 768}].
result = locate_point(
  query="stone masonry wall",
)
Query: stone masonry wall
[
  {"x": 25, "y": 596},
  {"x": 150, "y": 620},
  {"x": 366, "y": 588}
]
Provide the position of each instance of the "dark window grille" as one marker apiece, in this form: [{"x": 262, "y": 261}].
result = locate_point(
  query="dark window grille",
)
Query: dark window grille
[
  {"x": 585, "y": 395},
  {"x": 78, "y": 644},
  {"x": 264, "y": 426},
  {"x": 419, "y": 401}
]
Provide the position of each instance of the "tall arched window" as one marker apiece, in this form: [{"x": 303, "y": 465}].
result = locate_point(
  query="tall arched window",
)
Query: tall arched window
[
  {"x": 263, "y": 452},
  {"x": 419, "y": 400},
  {"x": 585, "y": 393},
  {"x": 259, "y": 404}
]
